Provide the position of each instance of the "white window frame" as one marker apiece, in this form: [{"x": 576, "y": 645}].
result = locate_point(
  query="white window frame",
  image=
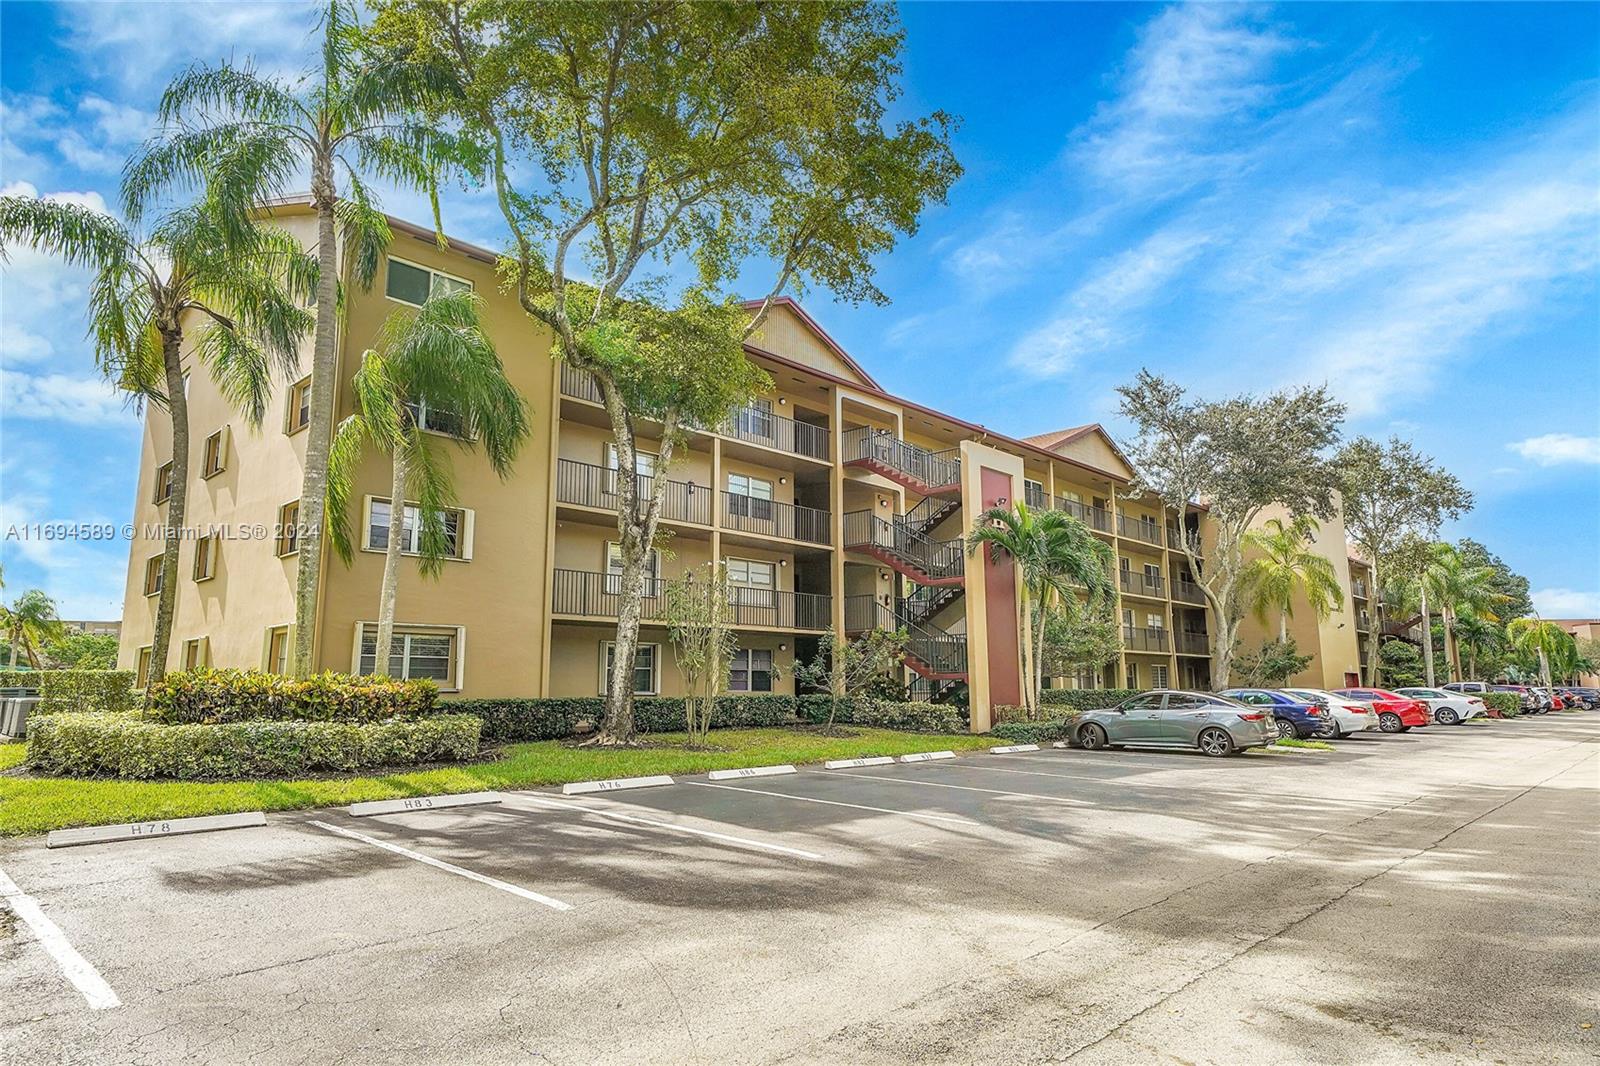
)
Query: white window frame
[
  {"x": 1132, "y": 675},
  {"x": 163, "y": 491},
  {"x": 1155, "y": 621},
  {"x": 613, "y": 574},
  {"x": 419, "y": 415},
  {"x": 267, "y": 663},
  {"x": 1158, "y": 676},
  {"x": 433, "y": 272},
  {"x": 748, "y": 656},
  {"x": 751, "y": 593},
  {"x": 464, "y": 529},
  {"x": 607, "y": 648},
  {"x": 458, "y": 658},
  {"x": 142, "y": 661},
  {"x": 653, "y": 464},
  {"x": 152, "y": 575},
  {"x": 286, "y": 545},
  {"x": 223, "y": 438},
  {"x": 292, "y": 411},
  {"x": 206, "y": 548}
]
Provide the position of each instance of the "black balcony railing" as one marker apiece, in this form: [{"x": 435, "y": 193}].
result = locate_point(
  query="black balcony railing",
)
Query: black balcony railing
[
  {"x": 1186, "y": 591},
  {"x": 1137, "y": 584},
  {"x": 1097, "y": 518},
  {"x": 757, "y": 425},
  {"x": 871, "y": 444},
  {"x": 774, "y": 518},
  {"x": 588, "y": 485},
  {"x": 1363, "y": 622},
  {"x": 1193, "y": 643},
  {"x": 1358, "y": 589},
  {"x": 865, "y": 612},
  {"x": 595, "y": 595},
  {"x": 579, "y": 384},
  {"x": 1035, "y": 496},
  {"x": 1136, "y": 639},
  {"x": 938, "y": 652},
  {"x": 864, "y": 530},
  {"x": 1142, "y": 529}
]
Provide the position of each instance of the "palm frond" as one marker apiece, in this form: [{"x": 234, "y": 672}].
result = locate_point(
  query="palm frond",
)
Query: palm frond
[
  {"x": 364, "y": 231},
  {"x": 428, "y": 482},
  {"x": 78, "y": 235},
  {"x": 240, "y": 366},
  {"x": 235, "y": 91},
  {"x": 344, "y": 459}
]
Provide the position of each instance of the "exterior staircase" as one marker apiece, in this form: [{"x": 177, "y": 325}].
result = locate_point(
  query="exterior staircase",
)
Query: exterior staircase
[{"x": 924, "y": 472}]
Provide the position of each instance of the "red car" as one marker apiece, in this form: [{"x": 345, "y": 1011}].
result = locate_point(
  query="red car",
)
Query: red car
[{"x": 1396, "y": 713}]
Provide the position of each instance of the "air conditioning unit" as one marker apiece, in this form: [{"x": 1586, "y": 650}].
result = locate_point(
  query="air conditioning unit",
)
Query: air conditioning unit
[{"x": 14, "y": 716}]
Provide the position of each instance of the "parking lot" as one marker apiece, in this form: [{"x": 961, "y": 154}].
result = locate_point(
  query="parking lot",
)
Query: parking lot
[{"x": 1423, "y": 897}]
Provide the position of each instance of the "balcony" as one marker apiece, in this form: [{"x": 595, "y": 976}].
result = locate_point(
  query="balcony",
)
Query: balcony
[
  {"x": 923, "y": 559},
  {"x": 1358, "y": 589},
  {"x": 772, "y": 518},
  {"x": 1035, "y": 496},
  {"x": 1137, "y": 584},
  {"x": 1136, "y": 639},
  {"x": 588, "y": 594},
  {"x": 1186, "y": 591},
  {"x": 1363, "y": 622},
  {"x": 1096, "y": 518},
  {"x": 1142, "y": 529},
  {"x": 1193, "y": 643},
  {"x": 752, "y": 425},
  {"x": 924, "y": 472},
  {"x": 588, "y": 485}
]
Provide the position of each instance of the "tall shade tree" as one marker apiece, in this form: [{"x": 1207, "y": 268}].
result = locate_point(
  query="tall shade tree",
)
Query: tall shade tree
[
  {"x": 236, "y": 298},
  {"x": 629, "y": 137},
  {"x": 1392, "y": 495},
  {"x": 1285, "y": 566},
  {"x": 1237, "y": 457},
  {"x": 1057, "y": 554},
  {"x": 438, "y": 356},
  {"x": 1460, "y": 590},
  {"x": 29, "y": 624},
  {"x": 250, "y": 136}
]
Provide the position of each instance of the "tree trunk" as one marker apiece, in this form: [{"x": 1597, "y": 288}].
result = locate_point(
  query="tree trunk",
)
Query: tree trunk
[
  {"x": 15, "y": 640},
  {"x": 1283, "y": 627},
  {"x": 1427, "y": 637},
  {"x": 1038, "y": 662},
  {"x": 389, "y": 591},
  {"x": 1375, "y": 637},
  {"x": 1452, "y": 644},
  {"x": 177, "y": 502},
  {"x": 314, "y": 484},
  {"x": 1029, "y": 701}
]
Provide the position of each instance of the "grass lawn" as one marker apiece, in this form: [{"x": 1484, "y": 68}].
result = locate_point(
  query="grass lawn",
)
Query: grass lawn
[
  {"x": 39, "y": 804},
  {"x": 1308, "y": 745}
]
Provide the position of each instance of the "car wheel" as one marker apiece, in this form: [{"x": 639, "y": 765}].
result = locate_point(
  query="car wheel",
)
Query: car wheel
[
  {"x": 1285, "y": 728},
  {"x": 1330, "y": 730},
  {"x": 1448, "y": 717},
  {"x": 1216, "y": 742},
  {"x": 1390, "y": 722},
  {"x": 1092, "y": 738}
]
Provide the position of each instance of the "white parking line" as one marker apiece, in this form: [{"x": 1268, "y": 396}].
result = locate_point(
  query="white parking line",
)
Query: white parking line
[
  {"x": 837, "y": 803},
  {"x": 84, "y": 977},
  {"x": 437, "y": 864},
  {"x": 962, "y": 788},
  {"x": 670, "y": 827}
]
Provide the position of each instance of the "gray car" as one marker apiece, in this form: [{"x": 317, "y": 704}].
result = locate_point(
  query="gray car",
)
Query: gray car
[{"x": 1216, "y": 725}]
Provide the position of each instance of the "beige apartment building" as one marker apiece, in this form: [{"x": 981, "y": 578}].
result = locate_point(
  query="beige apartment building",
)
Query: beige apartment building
[{"x": 832, "y": 502}]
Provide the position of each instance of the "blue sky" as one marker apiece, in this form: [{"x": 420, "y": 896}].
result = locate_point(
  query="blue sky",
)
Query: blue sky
[{"x": 1402, "y": 201}]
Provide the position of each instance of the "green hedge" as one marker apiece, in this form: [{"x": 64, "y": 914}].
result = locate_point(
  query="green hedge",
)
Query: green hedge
[
  {"x": 75, "y": 690},
  {"x": 1041, "y": 732},
  {"x": 522, "y": 719},
  {"x": 1507, "y": 704},
  {"x": 212, "y": 697},
  {"x": 19, "y": 678},
  {"x": 1086, "y": 699},
  {"x": 119, "y": 745},
  {"x": 914, "y": 717}
]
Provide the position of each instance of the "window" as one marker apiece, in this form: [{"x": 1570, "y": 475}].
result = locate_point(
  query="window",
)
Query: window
[
  {"x": 299, "y": 416},
  {"x": 644, "y": 668},
  {"x": 163, "y": 482},
  {"x": 289, "y": 528},
  {"x": 1158, "y": 677},
  {"x": 750, "y": 670},
  {"x": 152, "y": 575},
  {"x": 413, "y": 284},
  {"x": 416, "y": 652},
  {"x": 755, "y": 420},
  {"x": 1152, "y": 574},
  {"x": 1133, "y": 675},
  {"x": 1154, "y": 621},
  {"x": 1033, "y": 492},
  {"x": 1148, "y": 702},
  {"x": 749, "y": 496},
  {"x": 144, "y": 665},
  {"x": 216, "y": 454},
  {"x": 196, "y": 653},
  {"x": 205, "y": 558},
  {"x": 1125, "y": 564},
  {"x": 644, "y": 465},
  {"x": 754, "y": 581},
  {"x": 652, "y": 570},
  {"x": 437, "y": 420},
  {"x": 378, "y": 517},
  {"x": 278, "y": 650}
]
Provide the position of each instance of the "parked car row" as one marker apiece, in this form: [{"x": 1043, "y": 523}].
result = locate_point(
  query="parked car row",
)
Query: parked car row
[{"x": 1236, "y": 719}]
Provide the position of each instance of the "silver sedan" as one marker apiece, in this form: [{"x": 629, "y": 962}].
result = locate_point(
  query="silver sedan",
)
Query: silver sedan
[{"x": 1216, "y": 725}]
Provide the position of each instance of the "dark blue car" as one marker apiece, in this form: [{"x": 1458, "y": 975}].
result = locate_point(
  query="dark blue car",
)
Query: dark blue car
[{"x": 1294, "y": 719}]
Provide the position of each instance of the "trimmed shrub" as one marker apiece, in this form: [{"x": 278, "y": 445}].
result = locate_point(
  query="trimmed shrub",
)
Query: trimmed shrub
[
  {"x": 120, "y": 745},
  {"x": 212, "y": 697},
  {"x": 1041, "y": 732},
  {"x": 86, "y": 690},
  {"x": 914, "y": 717},
  {"x": 20, "y": 679},
  {"x": 530, "y": 718},
  {"x": 1085, "y": 699},
  {"x": 1501, "y": 704}
]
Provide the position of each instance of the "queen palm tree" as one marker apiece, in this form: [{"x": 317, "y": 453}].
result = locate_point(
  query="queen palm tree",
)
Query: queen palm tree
[
  {"x": 1544, "y": 643},
  {"x": 250, "y": 134},
  {"x": 1477, "y": 637},
  {"x": 1055, "y": 552},
  {"x": 1460, "y": 590},
  {"x": 1285, "y": 566},
  {"x": 439, "y": 356},
  {"x": 29, "y": 624},
  {"x": 237, "y": 298}
]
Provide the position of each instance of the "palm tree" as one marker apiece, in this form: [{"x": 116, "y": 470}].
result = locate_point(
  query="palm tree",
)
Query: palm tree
[
  {"x": 241, "y": 294},
  {"x": 1055, "y": 552},
  {"x": 1545, "y": 643},
  {"x": 29, "y": 624},
  {"x": 249, "y": 134},
  {"x": 440, "y": 356},
  {"x": 1286, "y": 566},
  {"x": 1461, "y": 590},
  {"x": 1478, "y": 637}
]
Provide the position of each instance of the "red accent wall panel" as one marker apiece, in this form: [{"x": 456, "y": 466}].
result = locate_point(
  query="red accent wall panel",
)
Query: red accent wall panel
[{"x": 1000, "y": 604}]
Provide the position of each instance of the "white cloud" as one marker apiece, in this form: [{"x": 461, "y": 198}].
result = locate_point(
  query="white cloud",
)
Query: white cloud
[
  {"x": 142, "y": 49},
  {"x": 63, "y": 398},
  {"x": 95, "y": 137},
  {"x": 1567, "y": 603},
  {"x": 1102, "y": 311},
  {"x": 19, "y": 345},
  {"x": 1553, "y": 449}
]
